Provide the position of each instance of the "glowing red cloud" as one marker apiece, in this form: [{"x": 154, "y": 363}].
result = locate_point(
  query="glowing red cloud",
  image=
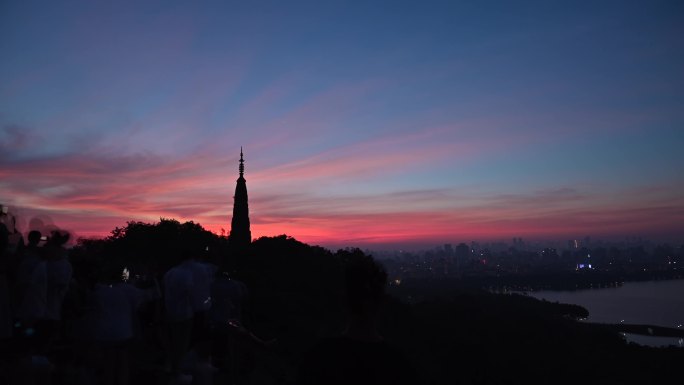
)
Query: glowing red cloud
[{"x": 91, "y": 193}]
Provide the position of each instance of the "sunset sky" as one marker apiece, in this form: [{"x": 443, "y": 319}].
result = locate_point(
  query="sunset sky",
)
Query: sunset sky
[{"x": 363, "y": 123}]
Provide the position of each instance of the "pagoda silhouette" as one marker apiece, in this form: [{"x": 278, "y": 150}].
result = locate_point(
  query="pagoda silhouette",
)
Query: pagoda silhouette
[{"x": 240, "y": 234}]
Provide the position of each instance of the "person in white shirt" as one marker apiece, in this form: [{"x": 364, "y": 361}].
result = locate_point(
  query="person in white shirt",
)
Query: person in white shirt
[
  {"x": 115, "y": 306},
  {"x": 202, "y": 276},
  {"x": 178, "y": 300}
]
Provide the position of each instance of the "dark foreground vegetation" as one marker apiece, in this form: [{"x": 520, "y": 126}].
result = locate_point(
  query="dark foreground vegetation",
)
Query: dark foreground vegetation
[{"x": 450, "y": 333}]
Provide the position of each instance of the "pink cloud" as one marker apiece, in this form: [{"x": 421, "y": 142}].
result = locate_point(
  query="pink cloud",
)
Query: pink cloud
[
  {"x": 92, "y": 192},
  {"x": 399, "y": 153}
]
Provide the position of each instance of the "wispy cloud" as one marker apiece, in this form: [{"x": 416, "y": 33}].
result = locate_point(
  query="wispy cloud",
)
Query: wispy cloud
[{"x": 98, "y": 189}]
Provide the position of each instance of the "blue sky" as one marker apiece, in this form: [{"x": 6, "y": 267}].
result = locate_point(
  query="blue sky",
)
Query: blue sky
[{"x": 362, "y": 122}]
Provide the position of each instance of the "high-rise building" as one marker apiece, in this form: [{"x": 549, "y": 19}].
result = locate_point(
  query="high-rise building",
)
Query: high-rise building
[
  {"x": 462, "y": 254},
  {"x": 240, "y": 234}
]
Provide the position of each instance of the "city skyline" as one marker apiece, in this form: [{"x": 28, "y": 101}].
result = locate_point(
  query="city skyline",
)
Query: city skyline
[{"x": 363, "y": 124}]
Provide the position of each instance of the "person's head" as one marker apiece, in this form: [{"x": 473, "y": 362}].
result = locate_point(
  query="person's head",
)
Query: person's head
[
  {"x": 58, "y": 238},
  {"x": 365, "y": 285},
  {"x": 34, "y": 237}
]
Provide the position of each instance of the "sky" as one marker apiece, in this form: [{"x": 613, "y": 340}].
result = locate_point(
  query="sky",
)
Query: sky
[{"x": 363, "y": 123}]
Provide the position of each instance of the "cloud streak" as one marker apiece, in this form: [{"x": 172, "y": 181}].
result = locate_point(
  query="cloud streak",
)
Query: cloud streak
[
  {"x": 390, "y": 132},
  {"x": 94, "y": 191}
]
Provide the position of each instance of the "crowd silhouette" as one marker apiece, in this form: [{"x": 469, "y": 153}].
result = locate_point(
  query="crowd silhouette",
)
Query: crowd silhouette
[
  {"x": 152, "y": 305},
  {"x": 80, "y": 319},
  {"x": 172, "y": 303}
]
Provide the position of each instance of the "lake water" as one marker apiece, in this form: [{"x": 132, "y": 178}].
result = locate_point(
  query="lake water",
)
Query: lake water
[{"x": 659, "y": 303}]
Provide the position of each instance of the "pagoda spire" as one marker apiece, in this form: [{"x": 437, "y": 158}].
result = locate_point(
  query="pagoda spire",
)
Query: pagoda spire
[
  {"x": 240, "y": 233},
  {"x": 242, "y": 163}
]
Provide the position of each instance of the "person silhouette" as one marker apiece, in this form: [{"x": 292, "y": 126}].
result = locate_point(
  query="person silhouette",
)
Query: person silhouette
[
  {"x": 360, "y": 355},
  {"x": 5, "y": 296},
  {"x": 225, "y": 318},
  {"x": 202, "y": 278},
  {"x": 59, "y": 272},
  {"x": 31, "y": 284},
  {"x": 115, "y": 309},
  {"x": 30, "y": 259},
  {"x": 178, "y": 300}
]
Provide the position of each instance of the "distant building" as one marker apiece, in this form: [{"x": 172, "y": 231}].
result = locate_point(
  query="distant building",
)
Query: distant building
[
  {"x": 462, "y": 254},
  {"x": 518, "y": 243},
  {"x": 240, "y": 234}
]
